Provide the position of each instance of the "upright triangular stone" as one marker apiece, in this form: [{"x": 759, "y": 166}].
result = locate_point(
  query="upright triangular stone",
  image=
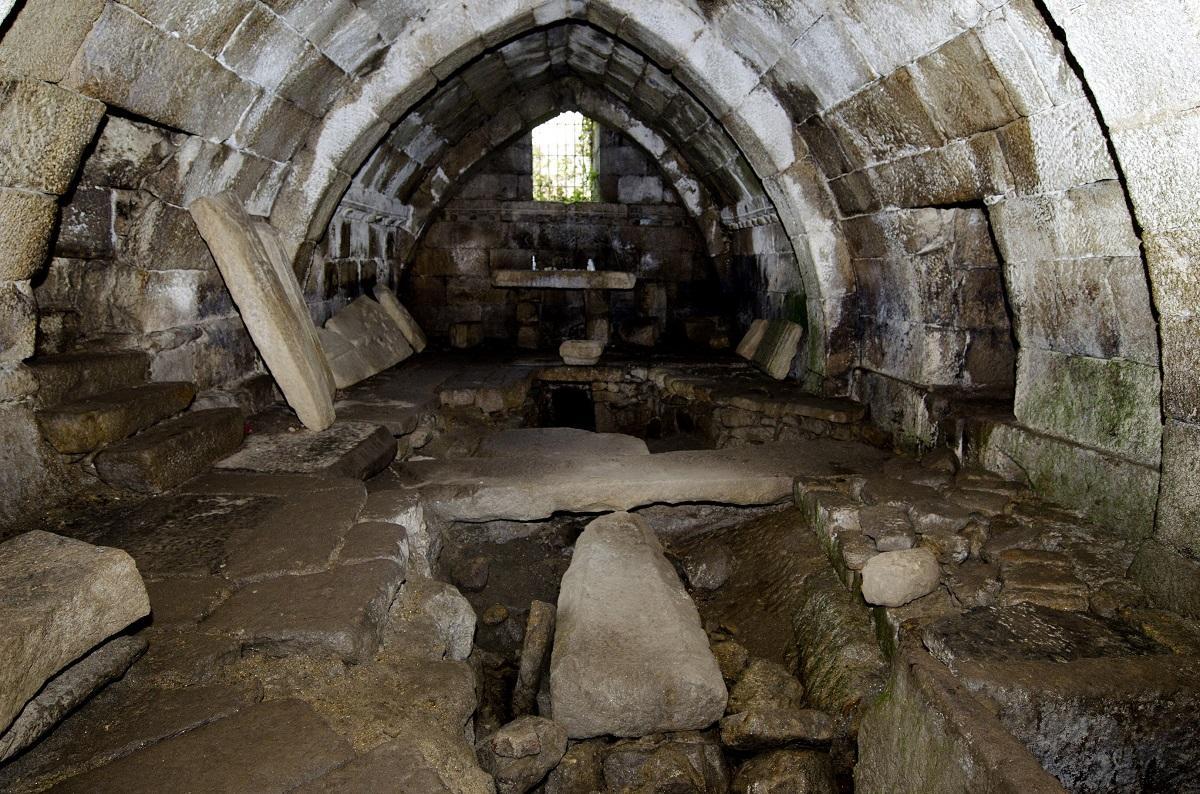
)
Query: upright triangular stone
[{"x": 254, "y": 267}]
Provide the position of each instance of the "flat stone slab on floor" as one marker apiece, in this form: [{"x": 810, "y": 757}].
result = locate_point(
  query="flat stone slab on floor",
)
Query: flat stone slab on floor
[
  {"x": 392, "y": 768},
  {"x": 62, "y": 598},
  {"x": 490, "y": 489},
  {"x": 558, "y": 442},
  {"x": 630, "y": 657},
  {"x": 346, "y": 449},
  {"x": 340, "y": 612},
  {"x": 271, "y": 747}
]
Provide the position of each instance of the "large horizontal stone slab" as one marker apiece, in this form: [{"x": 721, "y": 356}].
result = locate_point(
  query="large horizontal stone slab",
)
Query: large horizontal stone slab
[
  {"x": 531, "y": 488},
  {"x": 563, "y": 279},
  {"x": 558, "y": 442},
  {"x": 61, "y": 599},
  {"x": 630, "y": 657},
  {"x": 172, "y": 452},
  {"x": 273, "y": 746},
  {"x": 93, "y": 422},
  {"x": 251, "y": 261}
]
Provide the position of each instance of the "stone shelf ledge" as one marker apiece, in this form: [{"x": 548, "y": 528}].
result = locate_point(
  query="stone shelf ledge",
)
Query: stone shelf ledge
[{"x": 563, "y": 279}]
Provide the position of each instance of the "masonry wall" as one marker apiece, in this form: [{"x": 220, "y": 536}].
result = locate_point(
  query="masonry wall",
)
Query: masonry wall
[{"x": 494, "y": 224}]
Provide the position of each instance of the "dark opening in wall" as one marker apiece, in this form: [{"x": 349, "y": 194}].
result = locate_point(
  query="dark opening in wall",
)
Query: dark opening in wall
[{"x": 569, "y": 406}]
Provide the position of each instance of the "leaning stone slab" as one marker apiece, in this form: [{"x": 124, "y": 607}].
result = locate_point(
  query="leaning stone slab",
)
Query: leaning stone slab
[
  {"x": 749, "y": 345},
  {"x": 271, "y": 305},
  {"x": 535, "y": 653},
  {"x": 402, "y": 317},
  {"x": 68, "y": 690},
  {"x": 346, "y": 363},
  {"x": 369, "y": 328},
  {"x": 273, "y": 746},
  {"x": 630, "y": 656},
  {"x": 775, "y": 354},
  {"x": 61, "y": 599}
]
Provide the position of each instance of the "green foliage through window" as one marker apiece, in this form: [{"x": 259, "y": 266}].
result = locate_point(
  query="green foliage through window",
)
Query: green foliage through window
[{"x": 564, "y": 159}]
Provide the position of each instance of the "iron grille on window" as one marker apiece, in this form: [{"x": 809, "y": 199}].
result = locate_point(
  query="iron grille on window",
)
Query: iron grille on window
[{"x": 564, "y": 159}]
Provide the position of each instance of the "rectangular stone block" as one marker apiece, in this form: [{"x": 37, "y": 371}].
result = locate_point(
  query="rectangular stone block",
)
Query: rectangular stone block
[
  {"x": 45, "y": 129},
  {"x": 1179, "y": 503},
  {"x": 368, "y": 327},
  {"x": 126, "y": 62},
  {"x": 1108, "y": 404},
  {"x": 26, "y": 220},
  {"x": 18, "y": 322},
  {"x": 45, "y": 35},
  {"x": 172, "y": 452}
]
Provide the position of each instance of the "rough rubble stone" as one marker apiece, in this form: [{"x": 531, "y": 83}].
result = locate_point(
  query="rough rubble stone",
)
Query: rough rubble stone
[
  {"x": 535, "y": 657},
  {"x": 764, "y": 729},
  {"x": 402, "y": 318},
  {"x": 581, "y": 352},
  {"x": 271, "y": 304},
  {"x": 431, "y": 619},
  {"x": 766, "y": 686},
  {"x": 894, "y": 578},
  {"x": 341, "y": 611},
  {"x": 68, "y": 690},
  {"x": 688, "y": 761},
  {"x": 273, "y": 746},
  {"x": 345, "y": 449},
  {"x": 732, "y": 657},
  {"x": 172, "y": 452},
  {"x": 93, "y": 422},
  {"x": 471, "y": 574},
  {"x": 708, "y": 567},
  {"x": 26, "y": 221},
  {"x": 786, "y": 772},
  {"x": 630, "y": 657},
  {"x": 520, "y": 754},
  {"x": 580, "y": 771},
  {"x": 61, "y": 598}
]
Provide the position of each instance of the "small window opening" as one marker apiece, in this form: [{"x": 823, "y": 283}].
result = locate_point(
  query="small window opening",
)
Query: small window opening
[{"x": 564, "y": 159}]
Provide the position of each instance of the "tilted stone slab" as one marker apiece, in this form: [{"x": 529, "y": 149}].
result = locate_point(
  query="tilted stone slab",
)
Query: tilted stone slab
[
  {"x": 630, "y": 655},
  {"x": 62, "y": 598},
  {"x": 775, "y": 354},
  {"x": 172, "y": 452},
  {"x": 373, "y": 333},
  {"x": 402, "y": 317},
  {"x": 346, "y": 363},
  {"x": 748, "y": 347},
  {"x": 271, "y": 305},
  {"x": 93, "y": 422},
  {"x": 346, "y": 449}
]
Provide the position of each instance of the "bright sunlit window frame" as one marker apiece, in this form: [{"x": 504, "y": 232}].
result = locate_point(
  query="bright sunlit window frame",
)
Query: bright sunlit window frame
[{"x": 564, "y": 159}]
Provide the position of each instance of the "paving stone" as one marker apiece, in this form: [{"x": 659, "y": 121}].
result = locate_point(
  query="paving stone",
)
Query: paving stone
[
  {"x": 271, "y": 304},
  {"x": 558, "y": 442},
  {"x": 622, "y": 612},
  {"x": 345, "y": 449},
  {"x": 270, "y": 747},
  {"x": 402, "y": 318},
  {"x": 172, "y": 452},
  {"x": 392, "y": 768},
  {"x": 181, "y": 600},
  {"x": 340, "y": 612},
  {"x": 771, "y": 728},
  {"x": 89, "y": 424},
  {"x": 535, "y": 657},
  {"x": 375, "y": 540},
  {"x": 68, "y": 690},
  {"x": 62, "y": 598},
  {"x": 118, "y": 722},
  {"x": 182, "y": 657}
]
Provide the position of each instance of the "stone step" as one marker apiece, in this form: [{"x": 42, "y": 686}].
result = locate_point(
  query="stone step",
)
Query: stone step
[
  {"x": 172, "y": 452},
  {"x": 77, "y": 376},
  {"x": 91, "y": 423}
]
